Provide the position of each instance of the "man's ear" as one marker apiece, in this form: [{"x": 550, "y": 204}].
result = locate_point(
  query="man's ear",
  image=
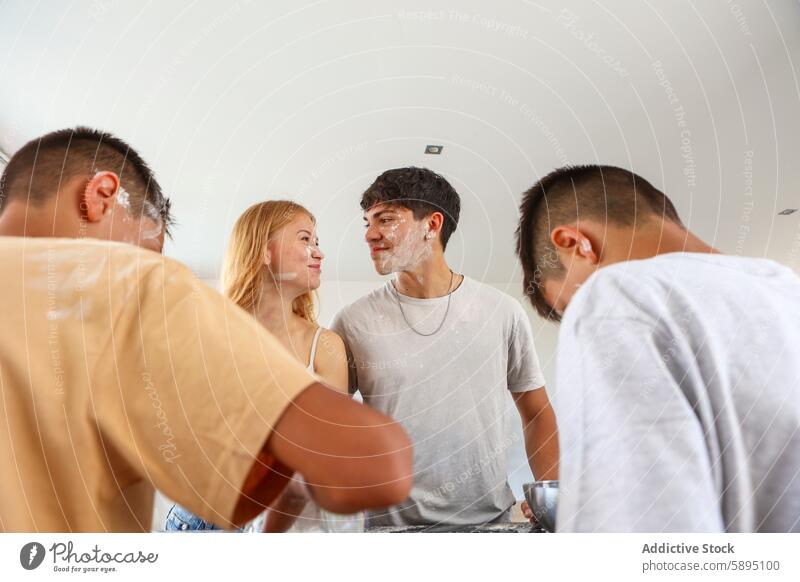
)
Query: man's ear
[
  {"x": 99, "y": 195},
  {"x": 434, "y": 224},
  {"x": 568, "y": 240}
]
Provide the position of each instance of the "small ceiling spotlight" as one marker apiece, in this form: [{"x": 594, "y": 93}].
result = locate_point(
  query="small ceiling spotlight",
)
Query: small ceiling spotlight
[
  {"x": 788, "y": 211},
  {"x": 434, "y": 149}
]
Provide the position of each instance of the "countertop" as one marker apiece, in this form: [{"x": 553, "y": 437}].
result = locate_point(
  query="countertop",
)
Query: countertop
[{"x": 504, "y": 527}]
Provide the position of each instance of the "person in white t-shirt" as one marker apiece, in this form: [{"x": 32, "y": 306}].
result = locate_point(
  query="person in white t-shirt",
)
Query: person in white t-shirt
[
  {"x": 440, "y": 353},
  {"x": 678, "y": 375}
]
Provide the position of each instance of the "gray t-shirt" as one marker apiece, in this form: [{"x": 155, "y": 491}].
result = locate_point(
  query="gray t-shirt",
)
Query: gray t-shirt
[
  {"x": 678, "y": 397},
  {"x": 449, "y": 391}
]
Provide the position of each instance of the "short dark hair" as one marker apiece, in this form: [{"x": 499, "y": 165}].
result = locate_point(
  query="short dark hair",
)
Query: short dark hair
[
  {"x": 37, "y": 170},
  {"x": 421, "y": 190},
  {"x": 564, "y": 196}
]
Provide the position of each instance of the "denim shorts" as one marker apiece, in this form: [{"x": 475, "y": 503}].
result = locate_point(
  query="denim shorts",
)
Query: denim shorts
[{"x": 181, "y": 519}]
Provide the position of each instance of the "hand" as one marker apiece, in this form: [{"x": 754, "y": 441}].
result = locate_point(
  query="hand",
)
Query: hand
[{"x": 526, "y": 511}]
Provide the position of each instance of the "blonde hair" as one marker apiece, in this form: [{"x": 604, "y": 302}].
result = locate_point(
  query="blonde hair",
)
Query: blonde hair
[{"x": 243, "y": 272}]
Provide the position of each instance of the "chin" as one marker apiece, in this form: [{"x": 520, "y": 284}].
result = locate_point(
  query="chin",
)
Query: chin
[
  {"x": 383, "y": 267},
  {"x": 381, "y": 270}
]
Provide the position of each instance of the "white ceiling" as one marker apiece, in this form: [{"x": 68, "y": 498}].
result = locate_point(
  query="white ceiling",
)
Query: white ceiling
[{"x": 232, "y": 103}]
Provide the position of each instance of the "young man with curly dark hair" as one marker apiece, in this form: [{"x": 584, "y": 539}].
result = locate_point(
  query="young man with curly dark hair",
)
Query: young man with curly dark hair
[{"x": 441, "y": 353}]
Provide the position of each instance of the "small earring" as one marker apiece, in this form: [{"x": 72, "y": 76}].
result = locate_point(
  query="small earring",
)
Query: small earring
[{"x": 429, "y": 236}]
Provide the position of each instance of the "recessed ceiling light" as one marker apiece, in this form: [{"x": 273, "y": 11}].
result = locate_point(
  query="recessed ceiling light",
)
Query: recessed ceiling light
[
  {"x": 788, "y": 211},
  {"x": 434, "y": 149}
]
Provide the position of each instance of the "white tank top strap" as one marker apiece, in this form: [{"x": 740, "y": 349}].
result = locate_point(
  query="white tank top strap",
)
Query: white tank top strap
[{"x": 310, "y": 366}]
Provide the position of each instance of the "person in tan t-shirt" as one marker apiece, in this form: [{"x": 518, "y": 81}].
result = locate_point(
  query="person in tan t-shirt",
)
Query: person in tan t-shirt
[{"x": 122, "y": 373}]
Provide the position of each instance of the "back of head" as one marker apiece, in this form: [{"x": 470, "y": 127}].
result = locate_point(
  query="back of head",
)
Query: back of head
[
  {"x": 243, "y": 271},
  {"x": 568, "y": 195},
  {"x": 422, "y": 191},
  {"x": 36, "y": 172}
]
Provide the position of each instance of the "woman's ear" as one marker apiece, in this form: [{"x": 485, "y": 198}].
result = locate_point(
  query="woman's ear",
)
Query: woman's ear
[
  {"x": 99, "y": 195},
  {"x": 268, "y": 257}
]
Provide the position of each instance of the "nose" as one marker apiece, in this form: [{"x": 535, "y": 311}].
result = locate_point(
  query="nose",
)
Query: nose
[
  {"x": 317, "y": 254},
  {"x": 372, "y": 234}
]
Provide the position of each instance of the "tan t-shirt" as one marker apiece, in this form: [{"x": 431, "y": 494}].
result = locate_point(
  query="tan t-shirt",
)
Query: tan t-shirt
[{"x": 120, "y": 372}]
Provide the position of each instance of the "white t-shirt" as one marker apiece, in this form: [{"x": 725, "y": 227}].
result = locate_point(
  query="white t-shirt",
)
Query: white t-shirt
[
  {"x": 678, "y": 397},
  {"x": 449, "y": 391}
]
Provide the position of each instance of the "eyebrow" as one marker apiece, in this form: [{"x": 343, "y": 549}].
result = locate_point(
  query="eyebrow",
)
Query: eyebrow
[{"x": 384, "y": 211}]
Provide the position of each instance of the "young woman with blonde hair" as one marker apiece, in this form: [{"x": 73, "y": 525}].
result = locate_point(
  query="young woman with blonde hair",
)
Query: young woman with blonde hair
[{"x": 272, "y": 269}]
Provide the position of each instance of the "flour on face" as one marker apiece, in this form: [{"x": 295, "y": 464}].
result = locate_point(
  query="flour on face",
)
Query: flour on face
[
  {"x": 149, "y": 212},
  {"x": 407, "y": 253}
]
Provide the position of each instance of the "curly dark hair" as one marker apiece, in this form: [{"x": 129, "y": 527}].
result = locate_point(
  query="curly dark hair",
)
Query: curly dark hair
[{"x": 421, "y": 190}]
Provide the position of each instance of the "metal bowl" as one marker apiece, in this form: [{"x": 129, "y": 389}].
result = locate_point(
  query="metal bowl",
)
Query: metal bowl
[{"x": 542, "y": 496}]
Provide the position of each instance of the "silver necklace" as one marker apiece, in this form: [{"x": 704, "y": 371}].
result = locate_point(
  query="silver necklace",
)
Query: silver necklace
[{"x": 435, "y": 331}]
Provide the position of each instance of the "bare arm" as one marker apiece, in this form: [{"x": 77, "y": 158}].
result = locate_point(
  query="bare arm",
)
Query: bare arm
[
  {"x": 352, "y": 457},
  {"x": 331, "y": 361},
  {"x": 541, "y": 433},
  {"x": 283, "y": 513}
]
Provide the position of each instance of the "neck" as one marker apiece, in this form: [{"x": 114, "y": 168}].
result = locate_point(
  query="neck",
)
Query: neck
[
  {"x": 18, "y": 219},
  {"x": 52, "y": 219},
  {"x": 275, "y": 310},
  {"x": 432, "y": 278},
  {"x": 659, "y": 238}
]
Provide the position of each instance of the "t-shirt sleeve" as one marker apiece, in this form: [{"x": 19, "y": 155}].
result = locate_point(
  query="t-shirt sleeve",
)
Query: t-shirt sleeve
[
  {"x": 202, "y": 385},
  {"x": 524, "y": 371},
  {"x": 633, "y": 453},
  {"x": 339, "y": 326}
]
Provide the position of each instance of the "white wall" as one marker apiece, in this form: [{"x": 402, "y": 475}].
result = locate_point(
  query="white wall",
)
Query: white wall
[{"x": 236, "y": 102}]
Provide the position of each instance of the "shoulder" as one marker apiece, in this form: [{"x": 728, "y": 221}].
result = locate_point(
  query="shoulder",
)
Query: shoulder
[
  {"x": 631, "y": 290},
  {"x": 158, "y": 279},
  {"x": 330, "y": 360},
  {"x": 364, "y": 307},
  {"x": 330, "y": 342},
  {"x": 499, "y": 300},
  {"x": 481, "y": 289},
  {"x": 129, "y": 263},
  {"x": 648, "y": 292}
]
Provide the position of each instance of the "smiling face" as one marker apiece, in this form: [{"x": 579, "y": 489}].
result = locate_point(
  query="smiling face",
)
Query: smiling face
[
  {"x": 293, "y": 255},
  {"x": 397, "y": 242}
]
